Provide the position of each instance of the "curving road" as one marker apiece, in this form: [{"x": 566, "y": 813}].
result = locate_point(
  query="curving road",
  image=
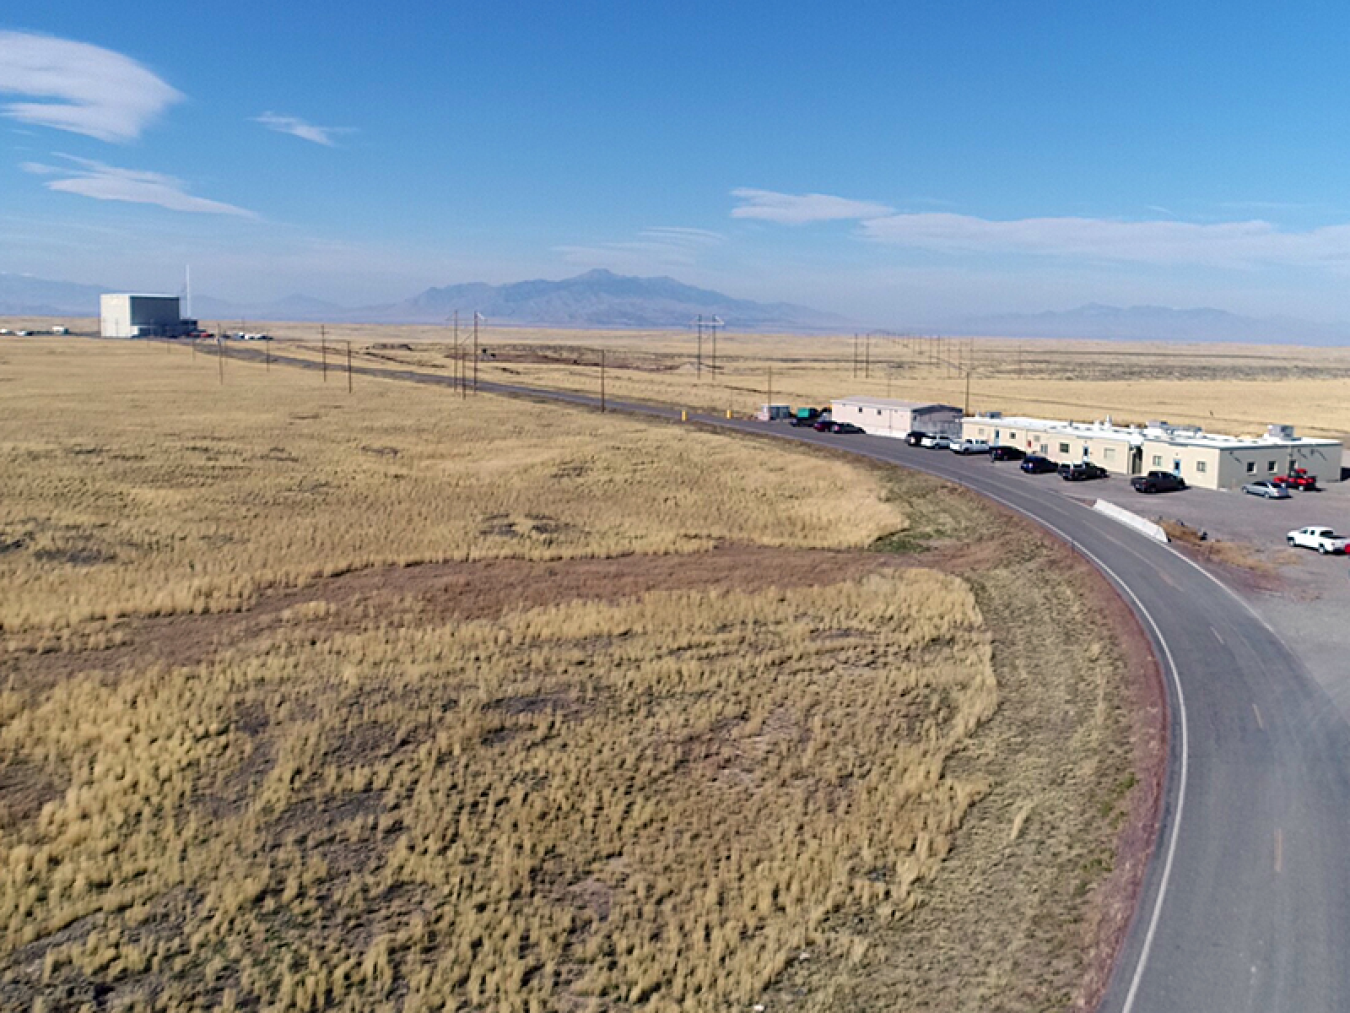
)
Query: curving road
[{"x": 1246, "y": 903}]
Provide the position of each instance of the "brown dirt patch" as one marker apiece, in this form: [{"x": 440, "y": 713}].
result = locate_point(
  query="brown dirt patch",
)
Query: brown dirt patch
[{"x": 474, "y": 590}]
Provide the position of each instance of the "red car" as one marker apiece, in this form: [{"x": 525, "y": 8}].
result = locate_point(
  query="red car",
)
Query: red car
[{"x": 1298, "y": 478}]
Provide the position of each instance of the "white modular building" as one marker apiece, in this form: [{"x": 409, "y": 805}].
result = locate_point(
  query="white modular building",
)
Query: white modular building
[
  {"x": 1206, "y": 460},
  {"x": 884, "y": 416},
  {"x": 123, "y": 315}
]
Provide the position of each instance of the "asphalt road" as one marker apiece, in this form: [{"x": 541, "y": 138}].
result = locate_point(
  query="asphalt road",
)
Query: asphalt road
[{"x": 1246, "y": 904}]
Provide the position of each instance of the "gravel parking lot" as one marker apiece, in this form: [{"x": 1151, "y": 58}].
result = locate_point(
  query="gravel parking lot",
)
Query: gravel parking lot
[{"x": 1304, "y": 596}]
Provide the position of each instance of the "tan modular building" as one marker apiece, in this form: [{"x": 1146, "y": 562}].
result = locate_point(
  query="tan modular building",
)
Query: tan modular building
[
  {"x": 1206, "y": 460},
  {"x": 141, "y": 316},
  {"x": 884, "y": 416}
]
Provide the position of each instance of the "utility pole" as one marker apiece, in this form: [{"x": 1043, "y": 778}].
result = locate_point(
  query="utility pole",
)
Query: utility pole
[
  {"x": 867, "y": 356},
  {"x": 965, "y": 410},
  {"x": 476, "y": 315},
  {"x": 715, "y": 322},
  {"x": 700, "y": 347},
  {"x": 855, "y": 355},
  {"x": 770, "y": 398},
  {"x": 349, "y": 367},
  {"x": 602, "y": 380},
  {"x": 323, "y": 348}
]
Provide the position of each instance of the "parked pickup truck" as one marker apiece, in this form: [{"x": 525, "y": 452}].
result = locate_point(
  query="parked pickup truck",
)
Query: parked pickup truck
[
  {"x": 1158, "y": 481},
  {"x": 1297, "y": 479},
  {"x": 970, "y": 447},
  {"x": 1082, "y": 471},
  {"x": 1324, "y": 540}
]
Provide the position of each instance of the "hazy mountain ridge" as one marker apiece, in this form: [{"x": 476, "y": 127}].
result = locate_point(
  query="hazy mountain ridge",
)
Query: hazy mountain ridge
[
  {"x": 598, "y": 299},
  {"x": 1154, "y": 323},
  {"x": 602, "y": 299}
]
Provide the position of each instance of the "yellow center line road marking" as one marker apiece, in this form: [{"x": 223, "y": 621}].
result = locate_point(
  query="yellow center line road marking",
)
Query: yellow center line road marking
[
  {"x": 1259, "y": 723},
  {"x": 1279, "y": 850}
]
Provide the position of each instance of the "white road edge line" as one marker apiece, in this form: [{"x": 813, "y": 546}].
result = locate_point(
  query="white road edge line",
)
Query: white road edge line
[{"x": 1147, "y": 946}]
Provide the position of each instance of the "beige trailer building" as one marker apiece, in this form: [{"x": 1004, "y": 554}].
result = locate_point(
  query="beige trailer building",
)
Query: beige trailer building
[
  {"x": 1206, "y": 460},
  {"x": 884, "y": 416}
]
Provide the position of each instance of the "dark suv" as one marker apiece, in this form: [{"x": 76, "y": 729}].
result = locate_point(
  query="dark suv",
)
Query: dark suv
[
  {"x": 1158, "y": 481},
  {"x": 1035, "y": 464},
  {"x": 1006, "y": 454},
  {"x": 1081, "y": 472},
  {"x": 915, "y": 438}
]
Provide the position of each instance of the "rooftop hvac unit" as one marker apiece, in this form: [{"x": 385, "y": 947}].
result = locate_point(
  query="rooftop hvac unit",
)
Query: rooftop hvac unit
[{"x": 1280, "y": 432}]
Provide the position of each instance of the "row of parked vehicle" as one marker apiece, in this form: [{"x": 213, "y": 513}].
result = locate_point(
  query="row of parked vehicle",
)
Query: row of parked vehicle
[
  {"x": 821, "y": 421},
  {"x": 1038, "y": 464}
]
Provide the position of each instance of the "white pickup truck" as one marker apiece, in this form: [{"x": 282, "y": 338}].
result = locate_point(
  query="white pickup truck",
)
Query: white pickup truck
[
  {"x": 969, "y": 447},
  {"x": 1324, "y": 540}
]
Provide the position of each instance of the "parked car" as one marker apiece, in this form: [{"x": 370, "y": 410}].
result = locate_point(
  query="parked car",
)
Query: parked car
[
  {"x": 1035, "y": 464},
  {"x": 916, "y": 438},
  {"x": 1083, "y": 471},
  {"x": 964, "y": 447},
  {"x": 1324, "y": 540},
  {"x": 822, "y": 424},
  {"x": 933, "y": 442},
  {"x": 846, "y": 428},
  {"x": 1006, "y": 454},
  {"x": 1270, "y": 490},
  {"x": 1298, "y": 479},
  {"x": 1158, "y": 481}
]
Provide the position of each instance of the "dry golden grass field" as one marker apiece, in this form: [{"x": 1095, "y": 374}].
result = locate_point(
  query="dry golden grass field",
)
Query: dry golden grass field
[
  {"x": 1238, "y": 389},
  {"x": 317, "y": 700}
]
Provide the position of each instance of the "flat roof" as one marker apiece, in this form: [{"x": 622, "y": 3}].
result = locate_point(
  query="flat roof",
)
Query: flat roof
[
  {"x": 139, "y": 295},
  {"x": 891, "y": 402},
  {"x": 1137, "y": 435}
]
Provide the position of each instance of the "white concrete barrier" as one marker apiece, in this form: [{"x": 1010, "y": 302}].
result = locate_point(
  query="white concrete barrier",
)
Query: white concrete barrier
[{"x": 1131, "y": 520}]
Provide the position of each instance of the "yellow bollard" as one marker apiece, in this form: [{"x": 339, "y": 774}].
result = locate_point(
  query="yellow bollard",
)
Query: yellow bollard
[
  {"x": 684, "y": 415},
  {"x": 728, "y": 413}
]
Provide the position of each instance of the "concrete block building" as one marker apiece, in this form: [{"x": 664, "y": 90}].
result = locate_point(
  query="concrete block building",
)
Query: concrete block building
[
  {"x": 1206, "y": 460},
  {"x": 883, "y": 416},
  {"x": 142, "y": 316}
]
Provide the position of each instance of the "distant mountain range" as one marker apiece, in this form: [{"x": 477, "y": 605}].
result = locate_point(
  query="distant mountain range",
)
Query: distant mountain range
[
  {"x": 1154, "y": 323},
  {"x": 602, "y": 299},
  {"x": 597, "y": 299}
]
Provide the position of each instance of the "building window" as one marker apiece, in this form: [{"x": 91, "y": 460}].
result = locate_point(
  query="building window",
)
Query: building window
[
  {"x": 878, "y": 411},
  {"x": 1012, "y": 436},
  {"x": 1063, "y": 448},
  {"x": 1109, "y": 454},
  {"x": 1044, "y": 449},
  {"x": 1157, "y": 461},
  {"x": 1251, "y": 467},
  {"x": 1270, "y": 467},
  {"x": 1201, "y": 467}
]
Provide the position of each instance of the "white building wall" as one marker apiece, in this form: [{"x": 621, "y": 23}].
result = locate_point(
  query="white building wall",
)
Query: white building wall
[{"x": 128, "y": 316}]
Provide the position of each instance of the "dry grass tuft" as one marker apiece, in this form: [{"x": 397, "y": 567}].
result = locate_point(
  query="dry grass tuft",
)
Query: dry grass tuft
[{"x": 658, "y": 803}]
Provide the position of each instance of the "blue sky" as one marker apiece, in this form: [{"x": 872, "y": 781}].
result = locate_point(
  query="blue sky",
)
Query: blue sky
[{"x": 899, "y": 163}]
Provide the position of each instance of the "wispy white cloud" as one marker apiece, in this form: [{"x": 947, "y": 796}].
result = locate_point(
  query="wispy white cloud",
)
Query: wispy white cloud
[
  {"x": 1224, "y": 244},
  {"x": 106, "y": 182},
  {"x": 82, "y": 88},
  {"x": 801, "y": 209},
  {"x": 657, "y": 246},
  {"x": 297, "y": 127}
]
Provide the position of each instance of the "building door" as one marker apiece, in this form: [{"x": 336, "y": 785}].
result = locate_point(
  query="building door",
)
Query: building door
[
  {"x": 1136, "y": 460},
  {"x": 1176, "y": 466}
]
